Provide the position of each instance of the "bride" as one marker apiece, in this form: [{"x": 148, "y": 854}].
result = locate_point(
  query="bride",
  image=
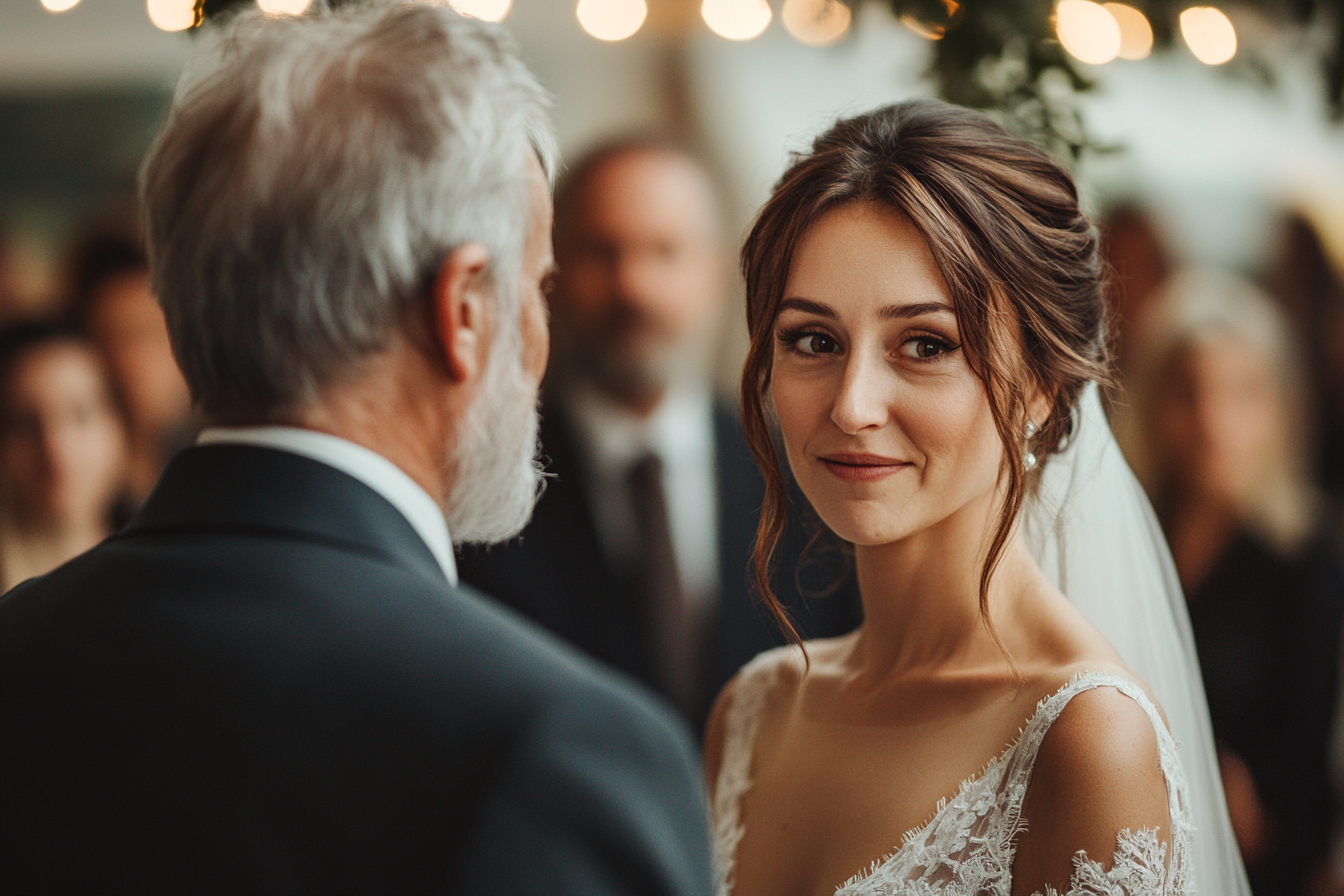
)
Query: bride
[{"x": 926, "y": 308}]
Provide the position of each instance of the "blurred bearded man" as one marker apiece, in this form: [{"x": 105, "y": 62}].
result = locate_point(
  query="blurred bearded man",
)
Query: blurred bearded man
[
  {"x": 639, "y": 550},
  {"x": 270, "y": 680}
]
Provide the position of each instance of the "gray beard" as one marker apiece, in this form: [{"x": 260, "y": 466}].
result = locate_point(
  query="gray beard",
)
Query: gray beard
[{"x": 496, "y": 473}]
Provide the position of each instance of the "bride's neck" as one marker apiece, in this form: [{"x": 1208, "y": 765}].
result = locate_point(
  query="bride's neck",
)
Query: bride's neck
[{"x": 921, "y": 597}]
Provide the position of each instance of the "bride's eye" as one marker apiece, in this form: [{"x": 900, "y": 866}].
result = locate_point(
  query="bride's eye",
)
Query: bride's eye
[
  {"x": 808, "y": 342},
  {"x": 925, "y": 348},
  {"x": 817, "y": 344}
]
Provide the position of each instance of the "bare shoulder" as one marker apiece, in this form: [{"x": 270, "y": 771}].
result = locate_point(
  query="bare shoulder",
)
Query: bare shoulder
[
  {"x": 1098, "y": 773},
  {"x": 1101, "y": 737},
  {"x": 1066, "y": 644}
]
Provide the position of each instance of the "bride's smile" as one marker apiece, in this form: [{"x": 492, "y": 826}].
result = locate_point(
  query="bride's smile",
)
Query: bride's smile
[{"x": 855, "y": 467}]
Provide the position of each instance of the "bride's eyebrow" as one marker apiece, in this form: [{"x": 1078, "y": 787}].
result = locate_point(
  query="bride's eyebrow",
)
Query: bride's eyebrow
[
  {"x": 810, "y": 306},
  {"x": 890, "y": 312},
  {"x": 915, "y": 309}
]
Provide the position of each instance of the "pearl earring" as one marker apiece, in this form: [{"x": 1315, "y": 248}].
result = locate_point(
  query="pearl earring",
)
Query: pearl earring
[{"x": 1029, "y": 459}]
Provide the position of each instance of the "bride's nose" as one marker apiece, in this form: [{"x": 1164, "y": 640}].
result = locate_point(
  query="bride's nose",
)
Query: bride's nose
[{"x": 865, "y": 388}]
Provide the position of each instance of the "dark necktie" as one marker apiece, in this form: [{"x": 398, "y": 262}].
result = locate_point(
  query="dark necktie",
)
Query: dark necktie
[{"x": 676, "y": 622}]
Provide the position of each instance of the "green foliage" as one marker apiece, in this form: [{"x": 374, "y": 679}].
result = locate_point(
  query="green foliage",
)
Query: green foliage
[{"x": 1002, "y": 56}]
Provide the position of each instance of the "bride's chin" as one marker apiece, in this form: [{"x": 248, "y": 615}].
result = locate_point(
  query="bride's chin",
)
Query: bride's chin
[{"x": 864, "y": 531}]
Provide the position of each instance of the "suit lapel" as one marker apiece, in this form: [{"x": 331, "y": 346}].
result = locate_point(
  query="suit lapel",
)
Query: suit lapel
[{"x": 267, "y": 491}]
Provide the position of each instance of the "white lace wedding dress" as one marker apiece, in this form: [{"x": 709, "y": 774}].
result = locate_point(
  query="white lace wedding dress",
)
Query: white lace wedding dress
[{"x": 967, "y": 847}]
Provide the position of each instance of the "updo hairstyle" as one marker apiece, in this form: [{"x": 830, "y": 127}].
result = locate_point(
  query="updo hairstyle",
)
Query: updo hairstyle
[{"x": 1021, "y": 261}]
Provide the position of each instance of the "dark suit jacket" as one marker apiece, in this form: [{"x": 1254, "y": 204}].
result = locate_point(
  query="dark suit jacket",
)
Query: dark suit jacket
[
  {"x": 1267, "y": 631},
  {"x": 556, "y": 572},
  {"x": 265, "y": 683}
]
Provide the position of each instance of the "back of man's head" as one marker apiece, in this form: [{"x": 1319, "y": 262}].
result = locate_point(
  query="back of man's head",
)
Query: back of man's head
[{"x": 312, "y": 177}]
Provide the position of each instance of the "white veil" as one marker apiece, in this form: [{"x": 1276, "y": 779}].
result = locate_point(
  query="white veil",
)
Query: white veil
[{"x": 1094, "y": 534}]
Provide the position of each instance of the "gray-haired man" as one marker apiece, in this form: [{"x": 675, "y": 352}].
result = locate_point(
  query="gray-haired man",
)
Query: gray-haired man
[{"x": 270, "y": 681}]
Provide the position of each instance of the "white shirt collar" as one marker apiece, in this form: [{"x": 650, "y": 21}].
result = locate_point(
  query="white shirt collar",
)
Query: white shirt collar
[
  {"x": 681, "y": 432},
  {"x": 377, "y": 472}
]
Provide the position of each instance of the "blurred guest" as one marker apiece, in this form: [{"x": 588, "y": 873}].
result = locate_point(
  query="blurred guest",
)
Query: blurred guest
[
  {"x": 1141, "y": 262},
  {"x": 639, "y": 550},
  {"x": 1309, "y": 288},
  {"x": 1224, "y": 449},
  {"x": 62, "y": 450},
  {"x": 112, "y": 300},
  {"x": 12, "y": 303}
]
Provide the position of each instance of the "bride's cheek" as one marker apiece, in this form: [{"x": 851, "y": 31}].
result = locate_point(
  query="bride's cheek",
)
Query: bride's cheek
[{"x": 800, "y": 405}]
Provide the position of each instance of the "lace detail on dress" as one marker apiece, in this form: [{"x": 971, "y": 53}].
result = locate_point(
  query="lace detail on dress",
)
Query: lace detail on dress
[
  {"x": 968, "y": 845},
  {"x": 1140, "y": 869},
  {"x": 754, "y": 684}
]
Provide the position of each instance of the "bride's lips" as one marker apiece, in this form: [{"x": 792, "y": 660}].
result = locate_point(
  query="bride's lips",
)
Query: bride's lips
[{"x": 861, "y": 467}]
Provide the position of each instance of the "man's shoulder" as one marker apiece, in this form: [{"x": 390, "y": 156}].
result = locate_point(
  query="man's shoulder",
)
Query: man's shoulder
[
  {"x": 417, "y": 708},
  {"x": 593, "y": 754},
  {"x": 294, "y": 605},
  {"x": 363, "y": 643},
  {"x": 516, "y": 649}
]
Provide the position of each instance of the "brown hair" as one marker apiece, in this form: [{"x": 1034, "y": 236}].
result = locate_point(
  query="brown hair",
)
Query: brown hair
[{"x": 1020, "y": 259}]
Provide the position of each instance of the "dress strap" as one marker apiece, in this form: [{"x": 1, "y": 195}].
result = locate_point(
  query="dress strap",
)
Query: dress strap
[
  {"x": 751, "y": 691},
  {"x": 1022, "y": 759}
]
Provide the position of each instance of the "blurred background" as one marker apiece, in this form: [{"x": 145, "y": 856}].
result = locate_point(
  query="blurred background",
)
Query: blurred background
[{"x": 1207, "y": 143}]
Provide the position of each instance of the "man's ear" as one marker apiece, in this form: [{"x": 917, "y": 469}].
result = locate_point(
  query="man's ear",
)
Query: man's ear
[{"x": 460, "y": 299}]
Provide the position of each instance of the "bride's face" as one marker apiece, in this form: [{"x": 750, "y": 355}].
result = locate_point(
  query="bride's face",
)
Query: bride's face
[{"x": 887, "y": 429}]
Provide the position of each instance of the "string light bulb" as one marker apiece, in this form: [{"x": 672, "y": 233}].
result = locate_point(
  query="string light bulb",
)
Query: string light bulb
[
  {"x": 736, "y": 19},
  {"x": 283, "y": 7},
  {"x": 59, "y": 5},
  {"x": 171, "y": 15},
  {"x": 1209, "y": 34},
  {"x": 1088, "y": 31},
  {"x": 1136, "y": 34},
  {"x": 612, "y": 19},
  {"x": 487, "y": 10},
  {"x": 932, "y": 27},
  {"x": 816, "y": 23}
]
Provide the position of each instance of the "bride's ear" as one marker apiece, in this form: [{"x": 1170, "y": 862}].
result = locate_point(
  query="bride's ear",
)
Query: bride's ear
[{"x": 1040, "y": 401}]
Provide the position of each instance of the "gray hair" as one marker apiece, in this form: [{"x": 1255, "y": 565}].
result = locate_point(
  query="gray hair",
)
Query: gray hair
[{"x": 312, "y": 176}]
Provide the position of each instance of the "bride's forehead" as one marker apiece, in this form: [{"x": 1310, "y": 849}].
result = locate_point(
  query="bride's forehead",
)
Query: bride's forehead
[
  {"x": 865, "y": 255},
  {"x": 864, "y": 224}
]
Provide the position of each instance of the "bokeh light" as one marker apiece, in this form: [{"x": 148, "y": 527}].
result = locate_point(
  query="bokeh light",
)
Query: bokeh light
[
  {"x": 59, "y": 5},
  {"x": 1088, "y": 31},
  {"x": 1136, "y": 34},
  {"x": 816, "y": 22},
  {"x": 1209, "y": 34},
  {"x": 284, "y": 7},
  {"x": 932, "y": 29},
  {"x": 171, "y": 15},
  {"x": 489, "y": 10},
  {"x": 736, "y": 19},
  {"x": 611, "y": 19}
]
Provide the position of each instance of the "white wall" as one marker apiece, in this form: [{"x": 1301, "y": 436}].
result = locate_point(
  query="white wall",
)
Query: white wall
[{"x": 98, "y": 43}]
